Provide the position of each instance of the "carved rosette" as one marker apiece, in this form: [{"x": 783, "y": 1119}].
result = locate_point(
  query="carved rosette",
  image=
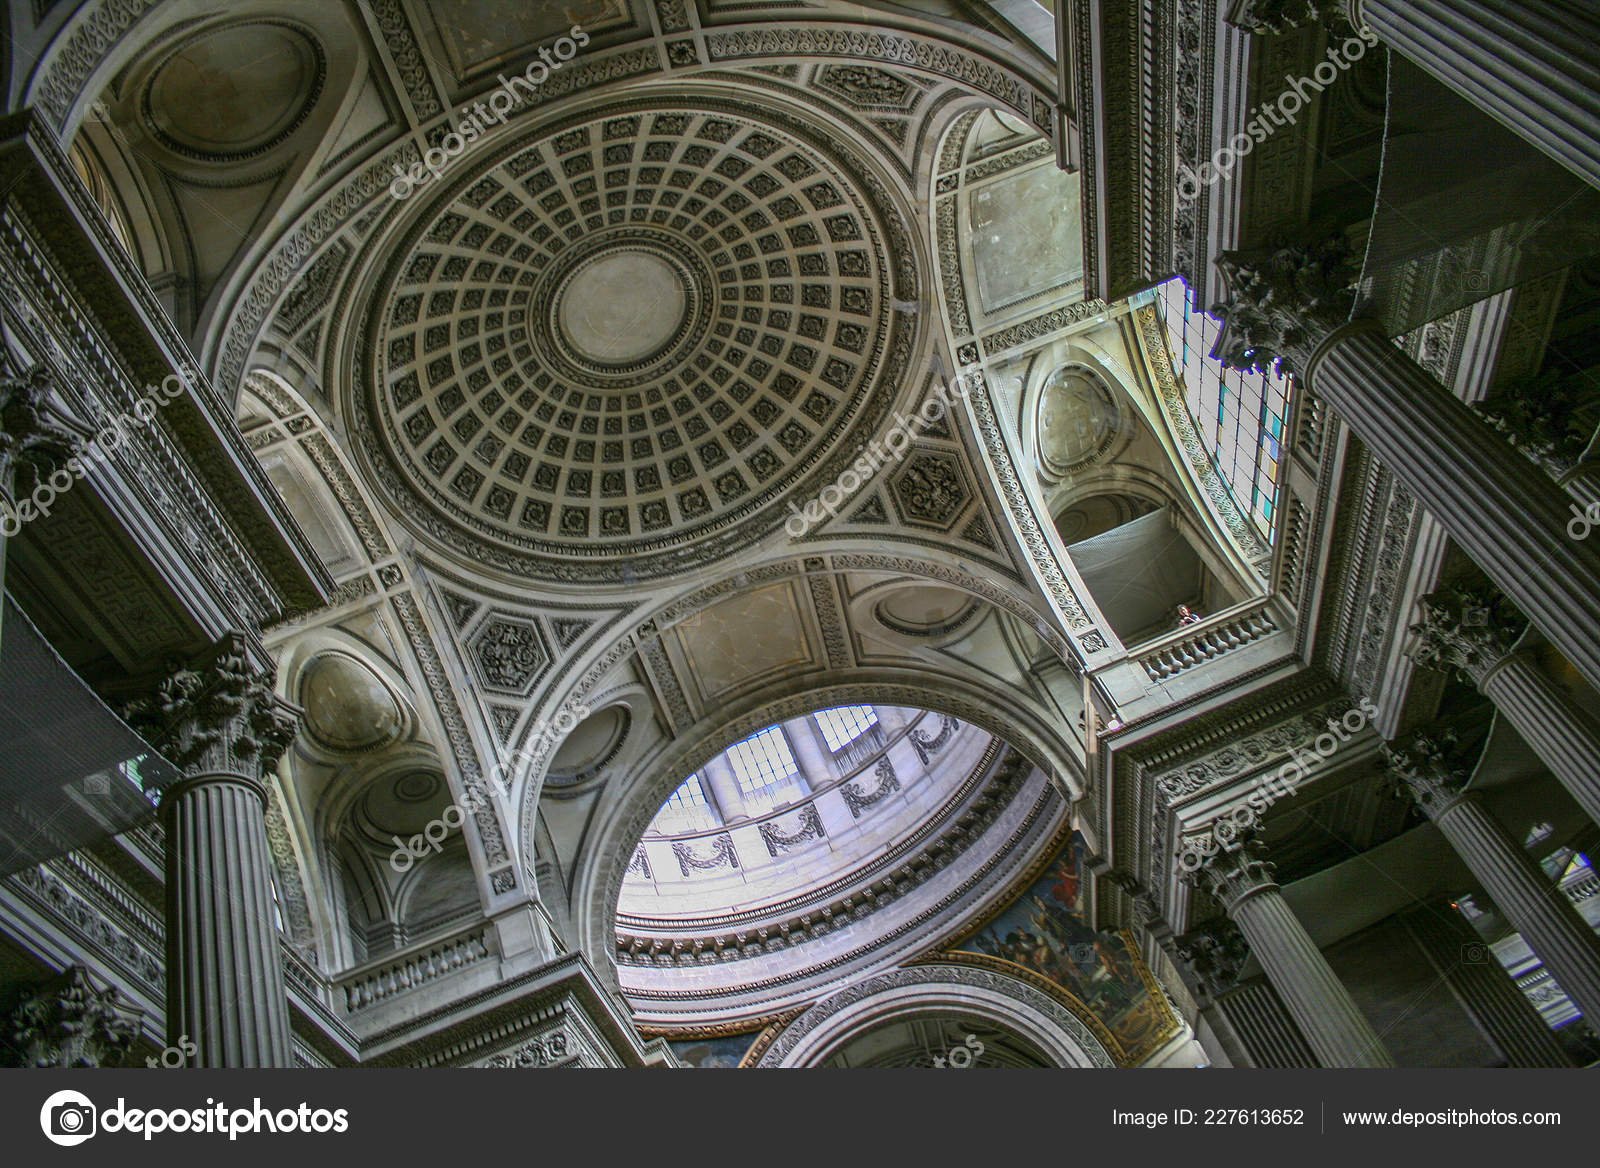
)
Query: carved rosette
[
  {"x": 1469, "y": 629},
  {"x": 1283, "y": 303},
  {"x": 70, "y": 1022},
  {"x": 219, "y": 715},
  {"x": 1427, "y": 768},
  {"x": 27, "y": 436}
]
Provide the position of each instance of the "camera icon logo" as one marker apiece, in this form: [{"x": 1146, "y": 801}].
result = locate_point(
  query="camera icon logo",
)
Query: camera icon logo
[{"x": 68, "y": 1118}]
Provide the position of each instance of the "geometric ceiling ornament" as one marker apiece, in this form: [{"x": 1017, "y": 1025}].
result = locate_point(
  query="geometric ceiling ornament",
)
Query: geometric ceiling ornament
[
  {"x": 616, "y": 345},
  {"x": 931, "y": 489},
  {"x": 872, "y": 511},
  {"x": 978, "y": 532},
  {"x": 460, "y": 608},
  {"x": 509, "y": 653},
  {"x": 567, "y": 630}
]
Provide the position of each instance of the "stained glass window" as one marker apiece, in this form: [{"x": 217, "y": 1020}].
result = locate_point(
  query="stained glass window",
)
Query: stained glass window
[
  {"x": 844, "y": 724},
  {"x": 1240, "y": 416}
]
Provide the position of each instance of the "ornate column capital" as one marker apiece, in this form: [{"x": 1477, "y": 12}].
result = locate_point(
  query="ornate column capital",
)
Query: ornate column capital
[
  {"x": 1428, "y": 768},
  {"x": 1269, "y": 17},
  {"x": 27, "y": 434},
  {"x": 1282, "y": 303},
  {"x": 1213, "y": 955},
  {"x": 1228, "y": 864},
  {"x": 1471, "y": 629},
  {"x": 70, "y": 1022},
  {"x": 1539, "y": 415},
  {"x": 218, "y": 715}
]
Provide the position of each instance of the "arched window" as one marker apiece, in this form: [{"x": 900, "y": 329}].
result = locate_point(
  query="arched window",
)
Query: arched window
[
  {"x": 844, "y": 724},
  {"x": 686, "y": 809},
  {"x": 1241, "y": 417},
  {"x": 765, "y": 769}
]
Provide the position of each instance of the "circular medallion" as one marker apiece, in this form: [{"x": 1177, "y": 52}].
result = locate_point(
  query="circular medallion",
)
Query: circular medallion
[
  {"x": 228, "y": 93},
  {"x": 622, "y": 307}
]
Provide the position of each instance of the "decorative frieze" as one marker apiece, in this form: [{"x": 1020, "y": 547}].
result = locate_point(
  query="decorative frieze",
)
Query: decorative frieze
[
  {"x": 859, "y": 800},
  {"x": 722, "y": 856}
]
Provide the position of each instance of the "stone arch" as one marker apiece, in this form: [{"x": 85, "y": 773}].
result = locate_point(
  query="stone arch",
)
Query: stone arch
[
  {"x": 1056, "y": 1029},
  {"x": 622, "y": 817}
]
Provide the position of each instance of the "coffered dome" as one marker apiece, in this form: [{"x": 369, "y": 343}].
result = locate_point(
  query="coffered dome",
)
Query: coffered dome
[{"x": 633, "y": 333}]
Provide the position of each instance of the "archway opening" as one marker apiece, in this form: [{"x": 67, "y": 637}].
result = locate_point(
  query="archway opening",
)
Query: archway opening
[{"x": 851, "y": 837}]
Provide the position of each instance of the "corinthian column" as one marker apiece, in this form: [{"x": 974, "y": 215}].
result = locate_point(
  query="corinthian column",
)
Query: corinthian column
[
  {"x": 1241, "y": 881},
  {"x": 1472, "y": 630},
  {"x": 220, "y": 723},
  {"x": 1294, "y": 305},
  {"x": 1518, "y": 886},
  {"x": 1531, "y": 65}
]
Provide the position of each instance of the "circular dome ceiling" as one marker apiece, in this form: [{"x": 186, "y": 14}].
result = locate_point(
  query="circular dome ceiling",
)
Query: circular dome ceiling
[{"x": 631, "y": 334}]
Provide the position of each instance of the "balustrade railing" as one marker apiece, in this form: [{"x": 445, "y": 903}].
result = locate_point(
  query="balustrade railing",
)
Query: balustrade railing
[
  {"x": 1197, "y": 644},
  {"x": 371, "y": 984}
]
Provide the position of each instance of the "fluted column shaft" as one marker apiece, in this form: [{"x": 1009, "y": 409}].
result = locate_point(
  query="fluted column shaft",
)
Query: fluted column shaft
[
  {"x": 1257, "y": 1017},
  {"x": 1559, "y": 733},
  {"x": 719, "y": 776},
  {"x": 221, "y": 723},
  {"x": 1484, "y": 988},
  {"x": 1508, "y": 518},
  {"x": 1537, "y": 909},
  {"x": 225, "y": 990},
  {"x": 1333, "y": 1025},
  {"x": 1532, "y": 65}
]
